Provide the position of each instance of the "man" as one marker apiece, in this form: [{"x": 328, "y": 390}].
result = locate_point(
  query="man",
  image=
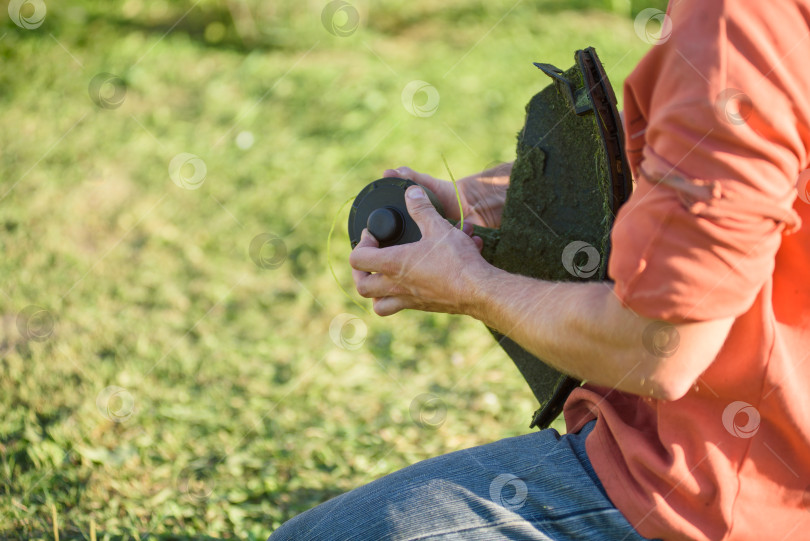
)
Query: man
[{"x": 703, "y": 436}]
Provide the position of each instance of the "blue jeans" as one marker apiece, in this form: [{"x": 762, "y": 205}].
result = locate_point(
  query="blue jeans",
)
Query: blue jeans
[{"x": 540, "y": 486}]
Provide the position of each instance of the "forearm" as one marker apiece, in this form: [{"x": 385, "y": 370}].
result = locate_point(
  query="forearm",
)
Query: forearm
[{"x": 583, "y": 330}]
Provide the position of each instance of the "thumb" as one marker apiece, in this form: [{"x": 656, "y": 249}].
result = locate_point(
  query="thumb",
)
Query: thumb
[{"x": 421, "y": 209}]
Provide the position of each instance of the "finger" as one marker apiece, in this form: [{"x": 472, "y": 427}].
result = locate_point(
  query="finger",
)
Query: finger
[
  {"x": 367, "y": 240},
  {"x": 468, "y": 228},
  {"x": 479, "y": 242},
  {"x": 422, "y": 210},
  {"x": 367, "y": 259},
  {"x": 429, "y": 182},
  {"x": 378, "y": 285},
  {"x": 367, "y": 255},
  {"x": 442, "y": 188},
  {"x": 358, "y": 276},
  {"x": 387, "y": 306}
]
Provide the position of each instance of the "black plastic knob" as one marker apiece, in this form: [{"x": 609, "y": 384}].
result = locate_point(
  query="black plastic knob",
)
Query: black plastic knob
[
  {"x": 381, "y": 208},
  {"x": 386, "y": 224}
]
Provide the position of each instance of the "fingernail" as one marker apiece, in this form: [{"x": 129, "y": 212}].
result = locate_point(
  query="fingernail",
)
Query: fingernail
[{"x": 415, "y": 192}]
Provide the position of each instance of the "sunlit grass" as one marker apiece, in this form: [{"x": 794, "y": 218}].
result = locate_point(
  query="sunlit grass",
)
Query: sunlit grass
[{"x": 236, "y": 408}]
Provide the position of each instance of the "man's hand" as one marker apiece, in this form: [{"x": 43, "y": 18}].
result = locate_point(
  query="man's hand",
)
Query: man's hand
[
  {"x": 482, "y": 195},
  {"x": 434, "y": 274}
]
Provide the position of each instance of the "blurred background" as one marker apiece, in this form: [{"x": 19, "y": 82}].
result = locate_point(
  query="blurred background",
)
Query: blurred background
[{"x": 176, "y": 359}]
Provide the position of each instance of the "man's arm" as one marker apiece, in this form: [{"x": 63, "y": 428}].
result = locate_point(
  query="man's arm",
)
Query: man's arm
[
  {"x": 579, "y": 328},
  {"x": 583, "y": 330}
]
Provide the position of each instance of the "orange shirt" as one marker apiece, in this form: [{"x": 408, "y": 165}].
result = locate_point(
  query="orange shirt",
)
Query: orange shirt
[{"x": 718, "y": 130}]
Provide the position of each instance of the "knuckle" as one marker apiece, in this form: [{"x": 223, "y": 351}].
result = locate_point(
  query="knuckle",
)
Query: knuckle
[
  {"x": 390, "y": 268},
  {"x": 393, "y": 290}
]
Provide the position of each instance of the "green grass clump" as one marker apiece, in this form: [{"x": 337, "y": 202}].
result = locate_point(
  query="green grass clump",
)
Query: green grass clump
[{"x": 167, "y": 385}]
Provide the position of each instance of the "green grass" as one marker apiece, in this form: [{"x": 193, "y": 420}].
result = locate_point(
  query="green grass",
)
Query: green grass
[{"x": 236, "y": 408}]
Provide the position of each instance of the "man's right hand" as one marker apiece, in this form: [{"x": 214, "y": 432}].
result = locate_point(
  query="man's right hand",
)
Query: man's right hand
[{"x": 482, "y": 194}]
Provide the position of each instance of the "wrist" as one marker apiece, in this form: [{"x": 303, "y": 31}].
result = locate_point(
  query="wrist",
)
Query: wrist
[{"x": 481, "y": 290}]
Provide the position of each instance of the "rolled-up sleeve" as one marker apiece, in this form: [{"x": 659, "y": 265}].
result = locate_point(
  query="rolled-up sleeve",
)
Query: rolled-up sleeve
[{"x": 715, "y": 141}]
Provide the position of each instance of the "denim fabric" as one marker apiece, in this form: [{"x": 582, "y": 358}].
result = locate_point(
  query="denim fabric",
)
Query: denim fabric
[{"x": 540, "y": 486}]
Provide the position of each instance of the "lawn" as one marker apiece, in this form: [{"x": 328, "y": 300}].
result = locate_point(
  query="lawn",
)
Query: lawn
[{"x": 176, "y": 360}]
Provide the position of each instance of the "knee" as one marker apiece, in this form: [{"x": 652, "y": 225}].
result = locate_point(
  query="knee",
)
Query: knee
[{"x": 290, "y": 530}]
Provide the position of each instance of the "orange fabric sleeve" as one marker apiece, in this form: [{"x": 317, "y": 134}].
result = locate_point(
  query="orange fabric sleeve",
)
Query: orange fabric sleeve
[{"x": 715, "y": 142}]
